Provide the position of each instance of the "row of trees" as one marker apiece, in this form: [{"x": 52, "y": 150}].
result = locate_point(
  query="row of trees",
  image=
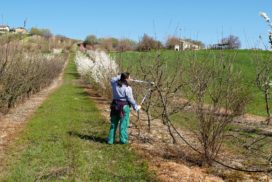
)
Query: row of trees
[
  {"x": 110, "y": 44},
  {"x": 192, "y": 82},
  {"x": 198, "y": 80},
  {"x": 27, "y": 66},
  {"x": 147, "y": 43},
  {"x": 47, "y": 34},
  {"x": 213, "y": 91}
]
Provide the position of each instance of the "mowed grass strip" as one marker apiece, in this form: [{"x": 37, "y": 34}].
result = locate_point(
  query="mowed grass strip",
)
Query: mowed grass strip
[{"x": 65, "y": 141}]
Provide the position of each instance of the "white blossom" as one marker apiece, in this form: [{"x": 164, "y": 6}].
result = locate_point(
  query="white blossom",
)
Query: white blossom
[
  {"x": 97, "y": 65},
  {"x": 265, "y": 16}
]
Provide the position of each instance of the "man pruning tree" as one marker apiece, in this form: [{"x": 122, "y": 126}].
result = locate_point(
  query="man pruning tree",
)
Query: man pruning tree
[{"x": 120, "y": 107}]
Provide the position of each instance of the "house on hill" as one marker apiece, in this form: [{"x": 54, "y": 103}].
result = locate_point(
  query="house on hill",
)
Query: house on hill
[
  {"x": 220, "y": 46},
  {"x": 185, "y": 45},
  {"x": 4, "y": 29},
  {"x": 20, "y": 30},
  {"x": 176, "y": 47}
]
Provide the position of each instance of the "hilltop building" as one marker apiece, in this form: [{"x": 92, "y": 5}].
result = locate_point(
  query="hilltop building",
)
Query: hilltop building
[
  {"x": 220, "y": 46},
  {"x": 176, "y": 47},
  {"x": 185, "y": 45},
  {"x": 4, "y": 29},
  {"x": 20, "y": 30}
]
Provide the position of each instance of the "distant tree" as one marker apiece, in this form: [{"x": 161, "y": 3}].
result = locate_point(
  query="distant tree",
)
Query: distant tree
[
  {"x": 171, "y": 42},
  {"x": 232, "y": 42},
  {"x": 126, "y": 45},
  {"x": 62, "y": 38},
  {"x": 196, "y": 42},
  {"x": 105, "y": 44},
  {"x": 41, "y": 32},
  {"x": 108, "y": 44},
  {"x": 115, "y": 42},
  {"x": 34, "y": 31},
  {"x": 91, "y": 40},
  {"x": 148, "y": 43}
]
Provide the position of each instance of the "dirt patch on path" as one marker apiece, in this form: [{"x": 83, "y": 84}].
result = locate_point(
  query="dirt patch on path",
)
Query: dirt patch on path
[{"x": 14, "y": 121}]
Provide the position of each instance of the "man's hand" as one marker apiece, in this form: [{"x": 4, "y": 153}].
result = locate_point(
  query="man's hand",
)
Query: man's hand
[{"x": 139, "y": 107}]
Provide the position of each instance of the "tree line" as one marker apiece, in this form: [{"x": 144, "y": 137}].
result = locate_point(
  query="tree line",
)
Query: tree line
[{"x": 147, "y": 43}]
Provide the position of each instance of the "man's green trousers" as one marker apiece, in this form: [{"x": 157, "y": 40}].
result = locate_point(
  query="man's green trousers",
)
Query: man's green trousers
[{"x": 123, "y": 127}]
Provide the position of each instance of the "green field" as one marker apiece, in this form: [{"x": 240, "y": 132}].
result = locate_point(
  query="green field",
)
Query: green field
[
  {"x": 243, "y": 60},
  {"x": 65, "y": 141}
]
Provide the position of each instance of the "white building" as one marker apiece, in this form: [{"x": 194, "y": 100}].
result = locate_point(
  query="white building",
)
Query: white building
[
  {"x": 185, "y": 45},
  {"x": 20, "y": 30},
  {"x": 176, "y": 48},
  {"x": 4, "y": 29}
]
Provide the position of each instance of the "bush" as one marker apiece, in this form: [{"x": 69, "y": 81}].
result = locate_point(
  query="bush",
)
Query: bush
[
  {"x": 91, "y": 40},
  {"x": 126, "y": 45},
  {"x": 41, "y": 32},
  {"x": 108, "y": 44},
  {"x": 148, "y": 43},
  {"x": 171, "y": 42},
  {"x": 232, "y": 42}
]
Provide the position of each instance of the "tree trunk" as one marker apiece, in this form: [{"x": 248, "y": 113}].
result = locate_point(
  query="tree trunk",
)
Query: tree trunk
[{"x": 267, "y": 106}]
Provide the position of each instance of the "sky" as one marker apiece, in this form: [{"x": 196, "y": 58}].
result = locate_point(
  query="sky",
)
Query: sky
[{"x": 204, "y": 20}]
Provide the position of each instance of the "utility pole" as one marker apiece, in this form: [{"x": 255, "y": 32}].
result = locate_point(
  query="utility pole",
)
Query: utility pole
[{"x": 25, "y": 21}]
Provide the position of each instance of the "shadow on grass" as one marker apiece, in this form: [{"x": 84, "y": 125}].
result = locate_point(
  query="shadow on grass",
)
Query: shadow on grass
[
  {"x": 94, "y": 95},
  {"x": 88, "y": 137},
  {"x": 74, "y": 74},
  {"x": 85, "y": 94}
]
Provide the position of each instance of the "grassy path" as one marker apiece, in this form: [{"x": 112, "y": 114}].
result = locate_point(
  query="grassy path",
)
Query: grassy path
[{"x": 65, "y": 141}]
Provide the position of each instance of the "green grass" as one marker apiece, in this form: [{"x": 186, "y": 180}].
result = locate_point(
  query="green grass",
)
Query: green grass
[
  {"x": 244, "y": 60},
  {"x": 257, "y": 154},
  {"x": 65, "y": 141}
]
